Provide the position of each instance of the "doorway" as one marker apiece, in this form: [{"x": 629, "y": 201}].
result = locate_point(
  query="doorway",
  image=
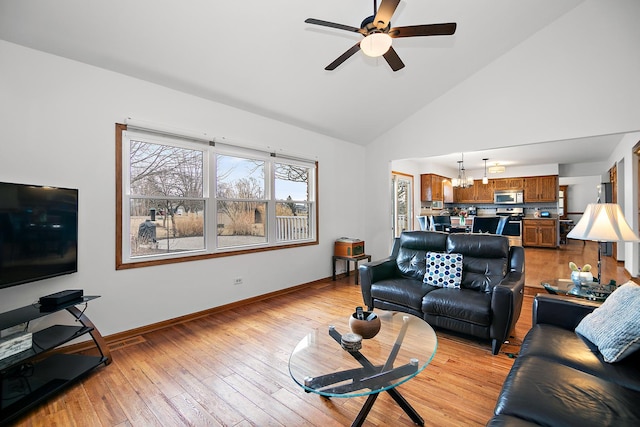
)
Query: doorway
[{"x": 402, "y": 202}]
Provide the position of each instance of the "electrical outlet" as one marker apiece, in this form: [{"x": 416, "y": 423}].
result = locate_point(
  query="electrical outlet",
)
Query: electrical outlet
[{"x": 237, "y": 281}]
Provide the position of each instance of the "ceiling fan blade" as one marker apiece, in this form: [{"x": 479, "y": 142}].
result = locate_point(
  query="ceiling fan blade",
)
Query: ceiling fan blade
[
  {"x": 393, "y": 59},
  {"x": 424, "y": 30},
  {"x": 332, "y": 25},
  {"x": 384, "y": 13},
  {"x": 343, "y": 57}
]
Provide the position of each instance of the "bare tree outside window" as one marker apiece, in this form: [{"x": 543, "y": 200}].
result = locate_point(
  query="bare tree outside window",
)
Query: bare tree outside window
[
  {"x": 167, "y": 205},
  {"x": 242, "y": 210}
]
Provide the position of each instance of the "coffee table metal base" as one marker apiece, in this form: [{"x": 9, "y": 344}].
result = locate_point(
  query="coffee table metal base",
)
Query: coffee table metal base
[
  {"x": 395, "y": 394},
  {"x": 400, "y": 400}
]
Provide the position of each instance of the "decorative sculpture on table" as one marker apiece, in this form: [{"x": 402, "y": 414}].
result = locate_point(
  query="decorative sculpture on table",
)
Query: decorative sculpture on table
[{"x": 581, "y": 276}]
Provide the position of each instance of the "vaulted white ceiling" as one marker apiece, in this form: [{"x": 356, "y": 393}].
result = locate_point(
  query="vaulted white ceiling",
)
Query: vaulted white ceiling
[{"x": 260, "y": 55}]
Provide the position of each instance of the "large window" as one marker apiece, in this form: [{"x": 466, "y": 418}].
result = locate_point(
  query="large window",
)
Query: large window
[{"x": 180, "y": 199}]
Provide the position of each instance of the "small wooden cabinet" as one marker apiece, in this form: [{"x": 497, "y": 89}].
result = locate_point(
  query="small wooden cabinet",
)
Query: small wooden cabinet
[
  {"x": 433, "y": 188},
  {"x": 540, "y": 232},
  {"x": 541, "y": 188}
]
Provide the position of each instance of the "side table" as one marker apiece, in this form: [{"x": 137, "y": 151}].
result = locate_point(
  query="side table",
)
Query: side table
[
  {"x": 347, "y": 259},
  {"x": 567, "y": 287}
]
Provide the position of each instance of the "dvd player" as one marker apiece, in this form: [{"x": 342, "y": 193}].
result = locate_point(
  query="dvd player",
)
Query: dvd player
[{"x": 62, "y": 297}]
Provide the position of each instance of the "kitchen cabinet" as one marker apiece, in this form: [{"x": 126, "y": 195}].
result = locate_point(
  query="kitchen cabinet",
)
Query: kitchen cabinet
[
  {"x": 432, "y": 187},
  {"x": 464, "y": 195},
  {"x": 540, "y": 232},
  {"x": 425, "y": 187},
  {"x": 478, "y": 193},
  {"x": 447, "y": 190},
  {"x": 483, "y": 192},
  {"x": 536, "y": 189},
  {"x": 541, "y": 188},
  {"x": 508, "y": 183},
  {"x": 436, "y": 187}
]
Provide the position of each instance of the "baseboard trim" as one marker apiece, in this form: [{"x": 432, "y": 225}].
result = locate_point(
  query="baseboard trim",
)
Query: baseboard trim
[{"x": 114, "y": 339}]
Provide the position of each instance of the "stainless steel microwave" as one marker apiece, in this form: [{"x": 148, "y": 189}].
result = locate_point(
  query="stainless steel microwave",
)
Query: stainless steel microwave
[{"x": 508, "y": 197}]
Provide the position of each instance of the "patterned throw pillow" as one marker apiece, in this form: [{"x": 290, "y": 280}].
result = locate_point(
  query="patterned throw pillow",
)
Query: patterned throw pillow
[
  {"x": 614, "y": 327},
  {"x": 443, "y": 270}
]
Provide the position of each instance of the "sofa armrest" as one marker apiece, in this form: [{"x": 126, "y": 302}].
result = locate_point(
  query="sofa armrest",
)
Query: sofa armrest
[
  {"x": 371, "y": 272},
  {"x": 559, "y": 310},
  {"x": 506, "y": 304}
]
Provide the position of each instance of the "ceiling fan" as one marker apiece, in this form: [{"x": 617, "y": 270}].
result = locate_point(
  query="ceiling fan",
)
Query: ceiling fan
[{"x": 377, "y": 32}]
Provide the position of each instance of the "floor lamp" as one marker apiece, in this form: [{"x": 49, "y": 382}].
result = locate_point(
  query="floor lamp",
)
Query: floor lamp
[{"x": 603, "y": 222}]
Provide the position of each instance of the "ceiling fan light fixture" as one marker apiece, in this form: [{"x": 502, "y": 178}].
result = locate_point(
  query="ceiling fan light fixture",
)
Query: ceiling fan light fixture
[
  {"x": 376, "y": 44},
  {"x": 378, "y": 34}
]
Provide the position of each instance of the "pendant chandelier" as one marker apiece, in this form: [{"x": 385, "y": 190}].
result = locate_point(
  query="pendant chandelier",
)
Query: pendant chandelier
[{"x": 462, "y": 181}]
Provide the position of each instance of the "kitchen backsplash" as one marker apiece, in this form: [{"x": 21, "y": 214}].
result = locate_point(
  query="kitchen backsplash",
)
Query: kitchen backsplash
[{"x": 490, "y": 209}]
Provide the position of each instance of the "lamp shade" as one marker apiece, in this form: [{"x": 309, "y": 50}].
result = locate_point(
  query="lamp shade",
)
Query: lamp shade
[
  {"x": 376, "y": 44},
  {"x": 603, "y": 222}
]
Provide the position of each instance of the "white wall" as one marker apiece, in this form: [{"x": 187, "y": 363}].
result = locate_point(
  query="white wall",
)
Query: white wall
[
  {"x": 585, "y": 169},
  {"x": 582, "y": 190},
  {"x": 57, "y": 128},
  {"x": 567, "y": 81},
  {"x": 628, "y": 196}
]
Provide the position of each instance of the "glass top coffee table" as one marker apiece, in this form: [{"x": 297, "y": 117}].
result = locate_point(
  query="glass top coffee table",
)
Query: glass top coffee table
[{"x": 401, "y": 350}]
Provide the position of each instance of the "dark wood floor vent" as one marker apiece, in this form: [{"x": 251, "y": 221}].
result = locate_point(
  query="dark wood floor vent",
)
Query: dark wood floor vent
[{"x": 126, "y": 343}]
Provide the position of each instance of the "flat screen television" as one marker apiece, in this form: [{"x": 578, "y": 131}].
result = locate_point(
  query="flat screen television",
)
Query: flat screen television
[{"x": 38, "y": 233}]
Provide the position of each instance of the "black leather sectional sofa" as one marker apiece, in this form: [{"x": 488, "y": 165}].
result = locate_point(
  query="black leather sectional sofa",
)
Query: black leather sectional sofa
[{"x": 561, "y": 379}]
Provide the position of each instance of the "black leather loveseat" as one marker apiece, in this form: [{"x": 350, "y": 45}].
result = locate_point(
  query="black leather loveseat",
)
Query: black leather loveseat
[
  {"x": 488, "y": 302},
  {"x": 562, "y": 379}
]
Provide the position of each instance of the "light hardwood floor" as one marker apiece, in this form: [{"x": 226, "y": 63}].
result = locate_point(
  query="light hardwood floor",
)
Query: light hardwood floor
[{"x": 230, "y": 368}]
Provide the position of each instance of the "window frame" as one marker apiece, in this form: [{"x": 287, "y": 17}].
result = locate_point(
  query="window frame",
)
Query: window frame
[{"x": 211, "y": 249}]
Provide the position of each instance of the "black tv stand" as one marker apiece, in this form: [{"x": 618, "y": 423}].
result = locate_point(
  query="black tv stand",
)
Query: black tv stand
[{"x": 29, "y": 377}]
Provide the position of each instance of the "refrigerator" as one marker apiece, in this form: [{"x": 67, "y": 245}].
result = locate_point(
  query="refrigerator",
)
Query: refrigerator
[{"x": 605, "y": 195}]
